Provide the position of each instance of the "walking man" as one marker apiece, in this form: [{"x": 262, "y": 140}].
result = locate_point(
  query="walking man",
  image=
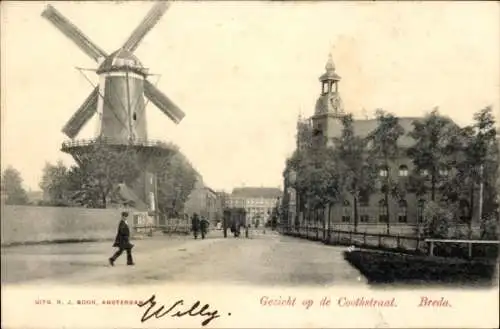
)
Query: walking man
[
  {"x": 122, "y": 241},
  {"x": 195, "y": 225},
  {"x": 204, "y": 227}
]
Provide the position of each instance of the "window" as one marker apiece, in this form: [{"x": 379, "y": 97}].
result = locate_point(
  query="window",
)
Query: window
[
  {"x": 364, "y": 218},
  {"x": 383, "y": 216},
  {"x": 403, "y": 211},
  {"x": 424, "y": 172},
  {"x": 420, "y": 210},
  {"x": 346, "y": 212},
  {"x": 464, "y": 211},
  {"x": 318, "y": 130},
  {"x": 383, "y": 172},
  {"x": 364, "y": 199},
  {"x": 403, "y": 171},
  {"x": 325, "y": 87},
  {"x": 443, "y": 172}
]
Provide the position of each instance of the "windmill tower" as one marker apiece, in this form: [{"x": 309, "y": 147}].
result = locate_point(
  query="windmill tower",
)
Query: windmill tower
[{"x": 119, "y": 98}]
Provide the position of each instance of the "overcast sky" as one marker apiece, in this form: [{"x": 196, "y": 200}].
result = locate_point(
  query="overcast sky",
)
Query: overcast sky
[{"x": 243, "y": 71}]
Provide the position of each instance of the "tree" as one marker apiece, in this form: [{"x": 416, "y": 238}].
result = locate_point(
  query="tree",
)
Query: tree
[
  {"x": 317, "y": 179},
  {"x": 12, "y": 186},
  {"x": 100, "y": 169},
  {"x": 384, "y": 149},
  {"x": 176, "y": 180},
  {"x": 54, "y": 183},
  {"x": 356, "y": 172},
  {"x": 434, "y": 136},
  {"x": 485, "y": 152},
  {"x": 477, "y": 165}
]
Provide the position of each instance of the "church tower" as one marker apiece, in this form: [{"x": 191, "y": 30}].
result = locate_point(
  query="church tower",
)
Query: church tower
[{"x": 329, "y": 107}]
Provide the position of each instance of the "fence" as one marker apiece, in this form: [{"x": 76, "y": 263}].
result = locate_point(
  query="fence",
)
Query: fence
[{"x": 393, "y": 242}]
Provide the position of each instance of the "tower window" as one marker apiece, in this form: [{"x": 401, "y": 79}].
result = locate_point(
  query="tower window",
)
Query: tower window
[
  {"x": 134, "y": 116},
  {"x": 326, "y": 87}
]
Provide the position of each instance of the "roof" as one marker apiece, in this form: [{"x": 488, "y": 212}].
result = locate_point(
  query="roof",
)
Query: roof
[
  {"x": 120, "y": 59},
  {"x": 210, "y": 190},
  {"x": 129, "y": 197},
  {"x": 363, "y": 128},
  {"x": 330, "y": 71},
  {"x": 257, "y": 192}
]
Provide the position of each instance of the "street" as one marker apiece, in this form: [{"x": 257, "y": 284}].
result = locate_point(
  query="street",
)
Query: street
[{"x": 262, "y": 259}]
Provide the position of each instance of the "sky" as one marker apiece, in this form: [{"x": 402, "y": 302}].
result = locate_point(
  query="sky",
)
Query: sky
[{"x": 242, "y": 72}]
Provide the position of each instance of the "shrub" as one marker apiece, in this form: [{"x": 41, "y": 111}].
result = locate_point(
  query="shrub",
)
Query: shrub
[
  {"x": 438, "y": 220},
  {"x": 489, "y": 228}
]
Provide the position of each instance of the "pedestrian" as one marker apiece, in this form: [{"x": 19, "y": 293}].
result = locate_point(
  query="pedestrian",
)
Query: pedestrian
[
  {"x": 204, "y": 227},
  {"x": 122, "y": 241},
  {"x": 195, "y": 225}
]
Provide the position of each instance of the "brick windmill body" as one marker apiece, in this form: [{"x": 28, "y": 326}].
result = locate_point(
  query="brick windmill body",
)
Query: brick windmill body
[{"x": 119, "y": 101}]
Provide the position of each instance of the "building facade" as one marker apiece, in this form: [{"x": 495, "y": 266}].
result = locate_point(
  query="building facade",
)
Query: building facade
[
  {"x": 203, "y": 201},
  {"x": 373, "y": 208},
  {"x": 258, "y": 203}
]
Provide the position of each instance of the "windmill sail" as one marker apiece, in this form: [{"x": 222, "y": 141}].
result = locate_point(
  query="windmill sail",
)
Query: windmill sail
[
  {"x": 152, "y": 17},
  {"x": 163, "y": 102},
  {"x": 84, "y": 113},
  {"x": 73, "y": 33}
]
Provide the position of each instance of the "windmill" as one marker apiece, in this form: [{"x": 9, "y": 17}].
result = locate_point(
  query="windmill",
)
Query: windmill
[
  {"x": 123, "y": 83},
  {"x": 119, "y": 98}
]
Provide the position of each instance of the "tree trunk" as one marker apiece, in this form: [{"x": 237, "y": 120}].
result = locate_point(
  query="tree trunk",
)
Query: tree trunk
[
  {"x": 433, "y": 187},
  {"x": 323, "y": 222},
  {"x": 387, "y": 210},
  {"x": 471, "y": 211},
  {"x": 355, "y": 213},
  {"x": 329, "y": 222},
  {"x": 104, "y": 200},
  {"x": 386, "y": 192}
]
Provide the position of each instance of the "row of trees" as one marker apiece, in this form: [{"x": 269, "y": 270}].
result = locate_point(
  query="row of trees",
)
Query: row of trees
[
  {"x": 93, "y": 183},
  {"x": 450, "y": 163}
]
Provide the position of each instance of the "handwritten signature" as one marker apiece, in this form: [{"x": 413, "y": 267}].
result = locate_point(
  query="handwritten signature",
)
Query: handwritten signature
[{"x": 192, "y": 311}]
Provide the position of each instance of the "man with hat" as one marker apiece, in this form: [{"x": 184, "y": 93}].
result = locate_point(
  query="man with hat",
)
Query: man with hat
[
  {"x": 195, "y": 225},
  {"x": 122, "y": 241}
]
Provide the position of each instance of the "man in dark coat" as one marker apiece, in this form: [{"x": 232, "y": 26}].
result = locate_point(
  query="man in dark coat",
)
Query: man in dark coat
[
  {"x": 122, "y": 241},
  {"x": 204, "y": 227},
  {"x": 195, "y": 225}
]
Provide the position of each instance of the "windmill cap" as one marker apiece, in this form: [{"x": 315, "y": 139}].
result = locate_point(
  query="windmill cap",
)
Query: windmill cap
[{"x": 120, "y": 60}]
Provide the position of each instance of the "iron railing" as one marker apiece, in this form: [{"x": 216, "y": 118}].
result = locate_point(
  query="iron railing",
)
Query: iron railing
[
  {"x": 113, "y": 141},
  {"x": 392, "y": 242}
]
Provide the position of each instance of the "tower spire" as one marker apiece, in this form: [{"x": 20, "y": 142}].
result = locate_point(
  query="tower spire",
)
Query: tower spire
[
  {"x": 329, "y": 101},
  {"x": 330, "y": 65}
]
